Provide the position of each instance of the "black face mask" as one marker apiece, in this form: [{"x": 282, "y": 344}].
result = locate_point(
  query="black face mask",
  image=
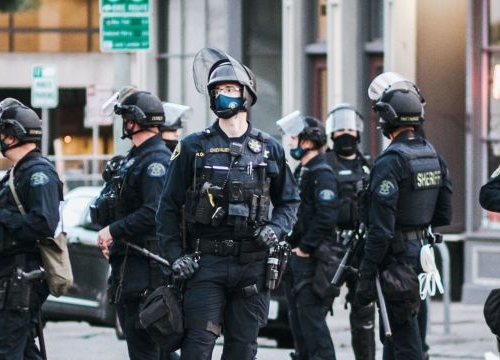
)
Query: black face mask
[
  {"x": 171, "y": 144},
  {"x": 345, "y": 144}
]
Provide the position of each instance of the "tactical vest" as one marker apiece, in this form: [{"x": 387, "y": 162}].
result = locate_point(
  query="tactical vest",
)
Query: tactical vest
[
  {"x": 418, "y": 193},
  {"x": 350, "y": 184},
  {"x": 231, "y": 186}
]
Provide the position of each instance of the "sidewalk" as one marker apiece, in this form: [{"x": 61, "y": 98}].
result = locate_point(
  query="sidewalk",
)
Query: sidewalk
[{"x": 469, "y": 337}]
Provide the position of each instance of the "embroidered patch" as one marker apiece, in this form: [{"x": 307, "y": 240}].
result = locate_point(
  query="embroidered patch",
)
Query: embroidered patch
[
  {"x": 386, "y": 188},
  {"x": 156, "y": 170},
  {"x": 39, "y": 179},
  {"x": 326, "y": 195},
  {"x": 177, "y": 151},
  {"x": 254, "y": 146}
]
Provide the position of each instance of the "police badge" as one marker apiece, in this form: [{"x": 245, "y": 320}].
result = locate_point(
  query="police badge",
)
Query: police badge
[{"x": 255, "y": 146}]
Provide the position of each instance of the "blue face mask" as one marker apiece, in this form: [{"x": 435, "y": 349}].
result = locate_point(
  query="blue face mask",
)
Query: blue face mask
[
  {"x": 226, "y": 106},
  {"x": 3, "y": 147},
  {"x": 298, "y": 153}
]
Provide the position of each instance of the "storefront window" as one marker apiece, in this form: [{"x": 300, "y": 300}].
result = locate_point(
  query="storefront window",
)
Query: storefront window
[{"x": 54, "y": 26}]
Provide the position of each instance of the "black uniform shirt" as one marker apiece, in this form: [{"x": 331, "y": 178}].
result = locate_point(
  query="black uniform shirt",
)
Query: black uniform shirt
[
  {"x": 489, "y": 195},
  {"x": 141, "y": 190},
  {"x": 389, "y": 173},
  {"x": 283, "y": 190},
  {"x": 317, "y": 215}
]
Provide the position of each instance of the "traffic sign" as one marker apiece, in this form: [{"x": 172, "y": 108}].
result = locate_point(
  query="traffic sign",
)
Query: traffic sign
[
  {"x": 97, "y": 94},
  {"x": 124, "y": 33},
  {"x": 44, "y": 88},
  {"x": 124, "y": 6}
]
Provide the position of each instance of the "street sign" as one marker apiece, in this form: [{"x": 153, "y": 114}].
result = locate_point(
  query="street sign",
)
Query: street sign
[
  {"x": 97, "y": 94},
  {"x": 124, "y": 33},
  {"x": 44, "y": 88},
  {"x": 124, "y": 6}
]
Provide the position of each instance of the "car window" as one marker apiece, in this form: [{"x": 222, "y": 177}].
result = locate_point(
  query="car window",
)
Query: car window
[{"x": 73, "y": 210}]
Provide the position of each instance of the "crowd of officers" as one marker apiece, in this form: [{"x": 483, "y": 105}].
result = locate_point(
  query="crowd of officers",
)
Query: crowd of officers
[{"x": 219, "y": 203}]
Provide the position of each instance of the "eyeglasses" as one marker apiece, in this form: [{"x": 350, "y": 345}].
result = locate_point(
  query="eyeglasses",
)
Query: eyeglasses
[{"x": 230, "y": 90}]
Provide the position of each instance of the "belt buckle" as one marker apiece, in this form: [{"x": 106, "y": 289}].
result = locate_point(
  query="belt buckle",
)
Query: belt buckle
[{"x": 228, "y": 247}]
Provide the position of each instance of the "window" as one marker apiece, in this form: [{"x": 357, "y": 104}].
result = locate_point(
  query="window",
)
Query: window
[{"x": 53, "y": 26}]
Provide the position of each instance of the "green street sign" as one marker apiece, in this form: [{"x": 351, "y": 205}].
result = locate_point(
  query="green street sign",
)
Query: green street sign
[
  {"x": 44, "y": 87},
  {"x": 124, "y": 33},
  {"x": 124, "y": 6}
]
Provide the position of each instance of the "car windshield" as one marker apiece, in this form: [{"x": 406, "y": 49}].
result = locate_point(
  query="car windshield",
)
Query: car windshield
[{"x": 74, "y": 208}]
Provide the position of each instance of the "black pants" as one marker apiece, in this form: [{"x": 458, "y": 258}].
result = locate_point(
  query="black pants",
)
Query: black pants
[
  {"x": 307, "y": 313},
  {"x": 215, "y": 296}
]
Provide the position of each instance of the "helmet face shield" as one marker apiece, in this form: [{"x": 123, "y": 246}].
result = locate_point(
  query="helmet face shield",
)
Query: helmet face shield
[
  {"x": 292, "y": 124},
  {"x": 344, "y": 117},
  {"x": 173, "y": 114},
  {"x": 207, "y": 60},
  {"x": 108, "y": 108},
  {"x": 390, "y": 81}
]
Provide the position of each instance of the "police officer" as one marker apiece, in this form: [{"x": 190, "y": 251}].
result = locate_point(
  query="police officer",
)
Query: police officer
[
  {"x": 137, "y": 183},
  {"x": 224, "y": 180},
  {"x": 39, "y": 191},
  {"x": 344, "y": 125},
  {"x": 170, "y": 130},
  {"x": 312, "y": 236},
  {"x": 409, "y": 190},
  {"x": 489, "y": 195}
]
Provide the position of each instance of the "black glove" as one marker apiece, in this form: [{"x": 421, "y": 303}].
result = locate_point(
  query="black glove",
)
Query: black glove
[
  {"x": 365, "y": 290},
  {"x": 266, "y": 237},
  {"x": 185, "y": 267}
]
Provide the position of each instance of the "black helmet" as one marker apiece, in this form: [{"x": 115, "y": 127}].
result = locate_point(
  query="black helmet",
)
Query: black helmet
[
  {"x": 18, "y": 120},
  {"x": 400, "y": 107},
  {"x": 176, "y": 125},
  {"x": 143, "y": 108},
  {"x": 313, "y": 131}
]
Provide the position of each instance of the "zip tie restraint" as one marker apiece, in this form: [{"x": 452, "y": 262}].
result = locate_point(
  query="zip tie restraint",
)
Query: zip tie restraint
[{"x": 430, "y": 278}]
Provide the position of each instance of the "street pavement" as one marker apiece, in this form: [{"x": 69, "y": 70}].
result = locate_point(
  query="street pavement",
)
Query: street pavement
[{"x": 468, "y": 338}]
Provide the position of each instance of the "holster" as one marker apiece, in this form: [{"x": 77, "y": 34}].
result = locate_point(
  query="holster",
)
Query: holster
[{"x": 15, "y": 293}]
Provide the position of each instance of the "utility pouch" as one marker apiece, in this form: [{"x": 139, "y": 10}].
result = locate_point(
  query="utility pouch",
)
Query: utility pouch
[
  {"x": 326, "y": 266},
  {"x": 397, "y": 243},
  {"x": 235, "y": 192},
  {"x": 4, "y": 286},
  {"x": 263, "y": 214},
  {"x": 18, "y": 293},
  {"x": 204, "y": 210}
]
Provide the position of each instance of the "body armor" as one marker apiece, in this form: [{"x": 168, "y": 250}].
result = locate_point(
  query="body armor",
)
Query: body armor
[
  {"x": 350, "y": 183},
  {"x": 418, "y": 193},
  {"x": 231, "y": 185}
]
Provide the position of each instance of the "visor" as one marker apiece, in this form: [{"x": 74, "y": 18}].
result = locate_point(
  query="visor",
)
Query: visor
[
  {"x": 291, "y": 124},
  {"x": 343, "y": 117},
  {"x": 388, "y": 81},
  {"x": 108, "y": 108},
  {"x": 174, "y": 111}
]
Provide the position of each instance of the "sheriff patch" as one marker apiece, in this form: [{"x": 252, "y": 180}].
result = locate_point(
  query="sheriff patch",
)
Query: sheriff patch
[
  {"x": 254, "y": 146},
  {"x": 326, "y": 195},
  {"x": 386, "y": 188},
  {"x": 39, "y": 179},
  {"x": 156, "y": 170}
]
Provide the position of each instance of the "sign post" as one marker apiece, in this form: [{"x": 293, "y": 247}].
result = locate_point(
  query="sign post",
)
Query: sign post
[{"x": 44, "y": 95}]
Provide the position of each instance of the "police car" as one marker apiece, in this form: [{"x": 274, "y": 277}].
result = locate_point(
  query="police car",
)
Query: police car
[{"x": 87, "y": 298}]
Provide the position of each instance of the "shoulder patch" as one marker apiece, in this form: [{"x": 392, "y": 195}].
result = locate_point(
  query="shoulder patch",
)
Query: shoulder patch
[
  {"x": 39, "y": 179},
  {"x": 177, "y": 151},
  {"x": 386, "y": 188},
  {"x": 156, "y": 170},
  {"x": 326, "y": 195}
]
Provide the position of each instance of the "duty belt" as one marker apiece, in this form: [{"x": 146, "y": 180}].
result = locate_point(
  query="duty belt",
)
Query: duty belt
[
  {"x": 226, "y": 247},
  {"x": 414, "y": 235}
]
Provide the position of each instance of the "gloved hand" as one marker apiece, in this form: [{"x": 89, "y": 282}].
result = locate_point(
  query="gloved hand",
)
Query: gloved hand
[
  {"x": 185, "y": 267},
  {"x": 365, "y": 290},
  {"x": 266, "y": 237}
]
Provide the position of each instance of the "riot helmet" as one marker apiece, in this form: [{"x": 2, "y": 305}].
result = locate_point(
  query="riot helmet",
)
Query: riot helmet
[
  {"x": 19, "y": 121},
  {"x": 108, "y": 108},
  {"x": 304, "y": 128},
  {"x": 143, "y": 108},
  {"x": 212, "y": 66},
  {"x": 344, "y": 117},
  {"x": 173, "y": 122},
  {"x": 397, "y": 101}
]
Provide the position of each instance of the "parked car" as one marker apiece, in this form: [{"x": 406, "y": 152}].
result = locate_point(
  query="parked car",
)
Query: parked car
[{"x": 87, "y": 298}]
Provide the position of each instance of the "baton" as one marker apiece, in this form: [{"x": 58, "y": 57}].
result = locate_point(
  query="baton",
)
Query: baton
[
  {"x": 383, "y": 308},
  {"x": 148, "y": 253}
]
